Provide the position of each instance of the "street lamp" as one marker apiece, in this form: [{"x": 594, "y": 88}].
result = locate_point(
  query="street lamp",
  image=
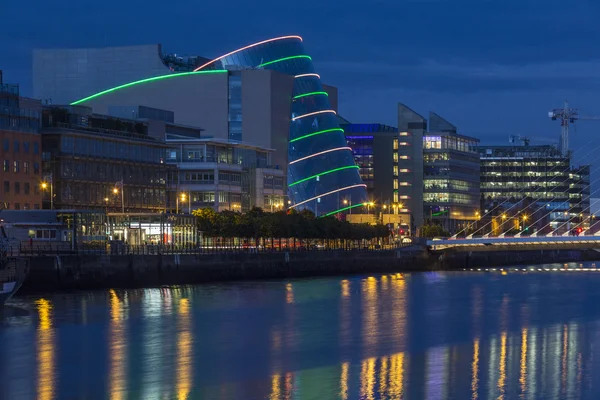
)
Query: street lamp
[
  {"x": 349, "y": 203},
  {"x": 182, "y": 197},
  {"x": 45, "y": 186},
  {"x": 116, "y": 192}
]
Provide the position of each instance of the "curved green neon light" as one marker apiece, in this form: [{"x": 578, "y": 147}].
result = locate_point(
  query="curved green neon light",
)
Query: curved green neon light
[
  {"x": 317, "y": 133},
  {"x": 310, "y": 94},
  {"x": 156, "y": 78},
  {"x": 343, "y": 209},
  {"x": 283, "y": 59},
  {"x": 324, "y": 173}
]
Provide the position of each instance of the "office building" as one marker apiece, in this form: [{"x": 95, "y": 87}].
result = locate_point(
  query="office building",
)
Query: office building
[
  {"x": 375, "y": 151},
  {"x": 92, "y": 161},
  {"x": 20, "y": 149},
  {"x": 438, "y": 171},
  {"x": 535, "y": 179},
  {"x": 220, "y": 174},
  {"x": 450, "y": 177},
  {"x": 266, "y": 94}
]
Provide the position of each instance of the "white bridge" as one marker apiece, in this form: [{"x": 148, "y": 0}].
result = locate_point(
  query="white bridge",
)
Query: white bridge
[{"x": 516, "y": 243}]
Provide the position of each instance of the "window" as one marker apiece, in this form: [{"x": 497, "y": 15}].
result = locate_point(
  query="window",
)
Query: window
[
  {"x": 6, "y": 187},
  {"x": 6, "y": 166},
  {"x": 26, "y": 167},
  {"x": 26, "y": 206},
  {"x": 26, "y": 147},
  {"x": 17, "y": 187},
  {"x": 15, "y": 166},
  {"x": 16, "y": 146},
  {"x": 26, "y": 188},
  {"x": 17, "y": 206},
  {"x": 6, "y": 145},
  {"x": 36, "y": 190},
  {"x": 36, "y": 168},
  {"x": 36, "y": 148},
  {"x": 36, "y": 206}
]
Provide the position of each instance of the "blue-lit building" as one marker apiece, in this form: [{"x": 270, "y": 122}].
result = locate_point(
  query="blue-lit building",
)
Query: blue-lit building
[
  {"x": 375, "y": 151},
  {"x": 266, "y": 94},
  {"x": 321, "y": 167}
]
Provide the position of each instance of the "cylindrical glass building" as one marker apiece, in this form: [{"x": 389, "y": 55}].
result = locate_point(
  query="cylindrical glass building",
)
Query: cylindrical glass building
[{"x": 322, "y": 175}]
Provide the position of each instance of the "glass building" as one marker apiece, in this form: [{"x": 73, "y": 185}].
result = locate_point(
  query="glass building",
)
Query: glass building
[
  {"x": 555, "y": 191},
  {"x": 321, "y": 167},
  {"x": 450, "y": 180}
]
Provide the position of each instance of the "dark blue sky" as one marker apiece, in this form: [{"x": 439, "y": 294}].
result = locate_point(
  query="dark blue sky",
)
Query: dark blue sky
[{"x": 491, "y": 67}]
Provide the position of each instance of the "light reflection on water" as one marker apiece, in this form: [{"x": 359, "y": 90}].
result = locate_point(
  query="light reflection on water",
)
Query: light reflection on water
[{"x": 436, "y": 336}]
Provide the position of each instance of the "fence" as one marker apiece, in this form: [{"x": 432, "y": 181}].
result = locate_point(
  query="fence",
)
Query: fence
[{"x": 123, "y": 249}]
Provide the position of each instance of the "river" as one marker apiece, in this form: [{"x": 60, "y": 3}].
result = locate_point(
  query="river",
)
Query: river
[{"x": 458, "y": 335}]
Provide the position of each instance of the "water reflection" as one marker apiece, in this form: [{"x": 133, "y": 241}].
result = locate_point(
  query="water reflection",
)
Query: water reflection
[
  {"x": 117, "y": 348},
  {"x": 45, "y": 351},
  {"x": 441, "y": 336},
  {"x": 184, "y": 351}
]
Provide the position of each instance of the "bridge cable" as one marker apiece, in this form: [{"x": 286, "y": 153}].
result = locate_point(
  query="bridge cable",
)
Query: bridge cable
[{"x": 568, "y": 168}]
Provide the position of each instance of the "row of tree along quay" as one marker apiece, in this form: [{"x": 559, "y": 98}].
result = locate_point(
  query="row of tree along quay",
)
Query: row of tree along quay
[{"x": 285, "y": 230}]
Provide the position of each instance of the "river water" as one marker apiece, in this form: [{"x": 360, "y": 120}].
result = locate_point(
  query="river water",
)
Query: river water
[{"x": 460, "y": 335}]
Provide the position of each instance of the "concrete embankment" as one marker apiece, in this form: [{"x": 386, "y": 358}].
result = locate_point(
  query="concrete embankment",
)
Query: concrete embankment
[
  {"x": 76, "y": 272},
  {"x": 80, "y": 272},
  {"x": 461, "y": 259}
]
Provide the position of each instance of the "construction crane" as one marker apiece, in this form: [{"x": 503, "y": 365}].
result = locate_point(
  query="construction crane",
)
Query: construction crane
[{"x": 567, "y": 117}]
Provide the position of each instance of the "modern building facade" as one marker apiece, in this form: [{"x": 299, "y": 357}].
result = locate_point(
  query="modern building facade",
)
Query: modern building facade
[
  {"x": 539, "y": 178},
  {"x": 375, "y": 151},
  {"x": 20, "y": 150},
  {"x": 320, "y": 165},
  {"x": 438, "y": 171},
  {"x": 451, "y": 179},
  {"x": 98, "y": 162},
  {"x": 266, "y": 94},
  {"x": 221, "y": 174}
]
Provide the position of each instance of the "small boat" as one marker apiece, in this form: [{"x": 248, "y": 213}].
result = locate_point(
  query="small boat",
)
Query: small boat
[
  {"x": 13, "y": 269},
  {"x": 12, "y": 274}
]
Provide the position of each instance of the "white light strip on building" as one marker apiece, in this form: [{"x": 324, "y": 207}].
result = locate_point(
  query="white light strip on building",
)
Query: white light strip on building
[
  {"x": 321, "y": 153},
  {"x": 314, "y": 113},
  {"x": 247, "y": 47},
  {"x": 307, "y": 75},
  {"x": 328, "y": 193}
]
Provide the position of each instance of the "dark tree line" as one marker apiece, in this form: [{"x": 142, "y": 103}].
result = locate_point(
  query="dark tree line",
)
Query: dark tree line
[{"x": 256, "y": 225}]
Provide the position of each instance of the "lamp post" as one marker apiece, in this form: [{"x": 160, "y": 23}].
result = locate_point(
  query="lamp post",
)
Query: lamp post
[
  {"x": 45, "y": 185},
  {"x": 346, "y": 202},
  {"x": 116, "y": 192},
  {"x": 177, "y": 202}
]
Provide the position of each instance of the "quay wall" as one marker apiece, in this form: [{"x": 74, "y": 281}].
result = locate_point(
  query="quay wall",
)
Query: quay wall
[
  {"x": 77, "y": 272},
  {"x": 82, "y": 272}
]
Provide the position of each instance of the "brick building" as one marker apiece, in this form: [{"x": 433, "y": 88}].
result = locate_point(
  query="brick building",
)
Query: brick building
[{"x": 20, "y": 150}]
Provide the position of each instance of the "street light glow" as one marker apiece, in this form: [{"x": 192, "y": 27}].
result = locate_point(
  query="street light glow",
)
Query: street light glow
[
  {"x": 115, "y": 190},
  {"x": 44, "y": 185}
]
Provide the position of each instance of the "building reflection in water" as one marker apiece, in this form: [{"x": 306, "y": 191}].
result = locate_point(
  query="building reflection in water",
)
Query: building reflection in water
[
  {"x": 117, "y": 348},
  {"x": 184, "y": 351},
  {"x": 370, "y": 312},
  {"x": 45, "y": 351}
]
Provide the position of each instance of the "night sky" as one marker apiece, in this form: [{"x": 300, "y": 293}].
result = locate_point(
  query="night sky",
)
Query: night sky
[{"x": 491, "y": 67}]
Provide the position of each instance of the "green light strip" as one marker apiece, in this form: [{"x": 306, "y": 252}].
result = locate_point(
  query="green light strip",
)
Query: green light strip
[
  {"x": 438, "y": 214},
  {"x": 283, "y": 59},
  {"x": 324, "y": 173},
  {"x": 156, "y": 78},
  {"x": 317, "y": 133},
  {"x": 343, "y": 209},
  {"x": 310, "y": 94}
]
